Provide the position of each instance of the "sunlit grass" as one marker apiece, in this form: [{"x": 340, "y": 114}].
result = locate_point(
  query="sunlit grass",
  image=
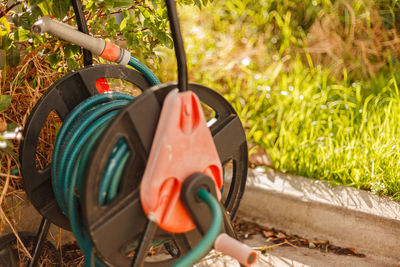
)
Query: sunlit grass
[
  {"x": 318, "y": 128},
  {"x": 312, "y": 124}
]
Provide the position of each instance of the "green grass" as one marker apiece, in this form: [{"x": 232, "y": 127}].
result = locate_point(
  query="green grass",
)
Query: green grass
[
  {"x": 312, "y": 123},
  {"x": 318, "y": 128}
]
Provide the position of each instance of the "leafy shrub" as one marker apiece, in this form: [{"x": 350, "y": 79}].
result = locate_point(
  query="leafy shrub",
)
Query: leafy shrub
[{"x": 30, "y": 63}]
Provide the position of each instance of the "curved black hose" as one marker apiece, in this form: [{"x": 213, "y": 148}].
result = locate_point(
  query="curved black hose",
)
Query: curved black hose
[
  {"x": 178, "y": 43},
  {"x": 82, "y": 26}
]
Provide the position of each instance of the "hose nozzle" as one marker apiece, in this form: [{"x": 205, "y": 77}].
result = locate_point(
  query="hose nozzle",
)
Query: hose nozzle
[
  {"x": 36, "y": 28},
  {"x": 97, "y": 46}
]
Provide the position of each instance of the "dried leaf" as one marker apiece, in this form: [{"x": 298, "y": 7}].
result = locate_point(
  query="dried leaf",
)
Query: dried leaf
[
  {"x": 267, "y": 233},
  {"x": 353, "y": 250},
  {"x": 261, "y": 158},
  {"x": 281, "y": 239},
  {"x": 3, "y": 125},
  {"x": 280, "y": 235}
]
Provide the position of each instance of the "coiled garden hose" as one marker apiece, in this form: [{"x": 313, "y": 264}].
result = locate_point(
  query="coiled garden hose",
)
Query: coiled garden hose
[
  {"x": 72, "y": 148},
  {"x": 74, "y": 142}
]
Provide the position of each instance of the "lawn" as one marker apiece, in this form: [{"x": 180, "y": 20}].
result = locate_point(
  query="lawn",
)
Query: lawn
[
  {"x": 317, "y": 115},
  {"x": 315, "y": 82}
]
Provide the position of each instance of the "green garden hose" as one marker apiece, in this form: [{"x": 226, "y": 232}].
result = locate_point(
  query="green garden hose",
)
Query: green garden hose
[
  {"x": 75, "y": 140},
  {"x": 208, "y": 240},
  {"x": 150, "y": 76}
]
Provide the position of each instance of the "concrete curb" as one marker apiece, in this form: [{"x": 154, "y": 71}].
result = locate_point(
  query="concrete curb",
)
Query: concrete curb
[{"x": 345, "y": 216}]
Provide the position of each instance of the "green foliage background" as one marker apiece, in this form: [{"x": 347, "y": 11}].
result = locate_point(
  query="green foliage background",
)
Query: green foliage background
[
  {"x": 315, "y": 82},
  {"x": 144, "y": 27},
  {"x": 29, "y": 63},
  {"x": 324, "y": 114}
]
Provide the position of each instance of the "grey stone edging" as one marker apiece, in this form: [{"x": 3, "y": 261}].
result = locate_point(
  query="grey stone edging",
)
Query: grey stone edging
[{"x": 345, "y": 216}]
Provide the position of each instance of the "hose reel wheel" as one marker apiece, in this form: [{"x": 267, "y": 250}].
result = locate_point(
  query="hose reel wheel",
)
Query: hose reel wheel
[
  {"x": 62, "y": 97},
  {"x": 116, "y": 225}
]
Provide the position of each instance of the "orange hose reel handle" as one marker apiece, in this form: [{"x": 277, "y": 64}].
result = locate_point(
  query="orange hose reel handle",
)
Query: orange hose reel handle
[
  {"x": 182, "y": 145},
  {"x": 102, "y": 85}
]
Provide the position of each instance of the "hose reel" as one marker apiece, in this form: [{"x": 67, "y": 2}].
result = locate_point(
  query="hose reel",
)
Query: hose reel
[
  {"x": 111, "y": 227},
  {"x": 122, "y": 221}
]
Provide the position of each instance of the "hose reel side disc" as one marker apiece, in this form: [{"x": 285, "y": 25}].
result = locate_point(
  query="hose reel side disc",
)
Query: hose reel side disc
[{"x": 62, "y": 97}]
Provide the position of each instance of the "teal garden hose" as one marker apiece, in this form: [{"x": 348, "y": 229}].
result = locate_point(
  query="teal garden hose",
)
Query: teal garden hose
[
  {"x": 74, "y": 143},
  {"x": 208, "y": 240},
  {"x": 75, "y": 140}
]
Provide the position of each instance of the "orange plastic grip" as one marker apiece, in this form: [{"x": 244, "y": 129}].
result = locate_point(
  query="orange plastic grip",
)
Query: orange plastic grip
[
  {"x": 182, "y": 145},
  {"x": 111, "y": 52},
  {"x": 102, "y": 85}
]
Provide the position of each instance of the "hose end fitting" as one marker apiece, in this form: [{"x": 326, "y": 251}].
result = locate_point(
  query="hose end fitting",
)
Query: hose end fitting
[
  {"x": 36, "y": 28},
  {"x": 41, "y": 25},
  {"x": 234, "y": 248}
]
